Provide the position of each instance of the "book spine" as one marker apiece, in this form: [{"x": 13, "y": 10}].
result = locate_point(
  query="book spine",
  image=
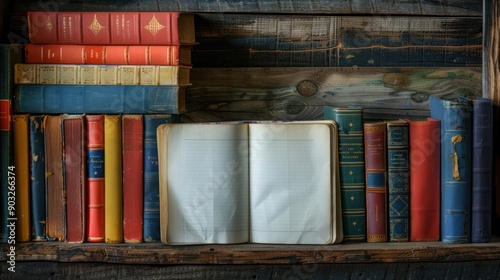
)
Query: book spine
[
  {"x": 352, "y": 170},
  {"x": 99, "y": 99},
  {"x": 104, "y": 27},
  {"x": 398, "y": 180},
  {"x": 425, "y": 164},
  {"x": 376, "y": 181},
  {"x": 38, "y": 188},
  {"x": 482, "y": 171},
  {"x": 75, "y": 177},
  {"x": 56, "y": 206},
  {"x": 133, "y": 172},
  {"x": 95, "y": 177},
  {"x": 20, "y": 124},
  {"x": 456, "y": 168},
  {"x": 113, "y": 188},
  {"x": 101, "y": 74},
  {"x": 151, "y": 179},
  {"x": 10, "y": 54},
  {"x": 103, "y": 54}
]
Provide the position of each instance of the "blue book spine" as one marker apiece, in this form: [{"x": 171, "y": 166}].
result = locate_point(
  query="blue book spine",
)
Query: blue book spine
[
  {"x": 482, "y": 170},
  {"x": 37, "y": 184},
  {"x": 151, "y": 179},
  {"x": 456, "y": 167},
  {"x": 99, "y": 99}
]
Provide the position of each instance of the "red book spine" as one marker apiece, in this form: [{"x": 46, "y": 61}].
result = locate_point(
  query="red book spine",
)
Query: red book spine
[
  {"x": 69, "y": 28},
  {"x": 95, "y": 177},
  {"x": 125, "y": 28},
  {"x": 42, "y": 27},
  {"x": 376, "y": 181},
  {"x": 133, "y": 150},
  {"x": 96, "y": 28},
  {"x": 425, "y": 150}
]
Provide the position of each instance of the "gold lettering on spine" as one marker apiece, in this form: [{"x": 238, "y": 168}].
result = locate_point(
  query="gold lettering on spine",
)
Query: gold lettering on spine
[{"x": 456, "y": 173}]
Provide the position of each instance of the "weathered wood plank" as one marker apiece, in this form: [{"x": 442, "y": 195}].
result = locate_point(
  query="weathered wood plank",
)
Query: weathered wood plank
[{"x": 300, "y": 93}]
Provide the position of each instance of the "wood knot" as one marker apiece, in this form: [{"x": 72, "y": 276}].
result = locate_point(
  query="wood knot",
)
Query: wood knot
[{"x": 307, "y": 88}]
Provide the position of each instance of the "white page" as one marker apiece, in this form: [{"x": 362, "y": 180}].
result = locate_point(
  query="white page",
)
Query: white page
[
  {"x": 290, "y": 183},
  {"x": 208, "y": 184}
]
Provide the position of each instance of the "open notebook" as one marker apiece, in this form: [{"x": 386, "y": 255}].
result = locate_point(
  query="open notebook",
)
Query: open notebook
[{"x": 273, "y": 182}]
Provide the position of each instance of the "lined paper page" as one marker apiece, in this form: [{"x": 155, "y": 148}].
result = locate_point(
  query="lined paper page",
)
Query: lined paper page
[{"x": 290, "y": 178}]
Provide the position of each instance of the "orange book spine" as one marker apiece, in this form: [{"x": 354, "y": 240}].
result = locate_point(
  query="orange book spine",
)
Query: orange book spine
[{"x": 95, "y": 177}]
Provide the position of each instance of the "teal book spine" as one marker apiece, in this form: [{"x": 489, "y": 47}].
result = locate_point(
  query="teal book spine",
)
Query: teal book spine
[
  {"x": 10, "y": 54},
  {"x": 151, "y": 214},
  {"x": 37, "y": 183},
  {"x": 352, "y": 169},
  {"x": 398, "y": 180}
]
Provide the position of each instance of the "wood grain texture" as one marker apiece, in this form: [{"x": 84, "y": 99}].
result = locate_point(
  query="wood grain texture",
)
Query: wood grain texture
[{"x": 289, "y": 93}]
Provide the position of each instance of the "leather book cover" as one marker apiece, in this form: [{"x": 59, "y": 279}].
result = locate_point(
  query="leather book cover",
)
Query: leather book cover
[
  {"x": 96, "y": 28},
  {"x": 113, "y": 190},
  {"x": 398, "y": 179},
  {"x": 125, "y": 28},
  {"x": 376, "y": 181},
  {"x": 133, "y": 174},
  {"x": 352, "y": 169},
  {"x": 94, "y": 125},
  {"x": 38, "y": 187},
  {"x": 42, "y": 27},
  {"x": 20, "y": 125},
  {"x": 75, "y": 177},
  {"x": 456, "y": 167},
  {"x": 425, "y": 179},
  {"x": 69, "y": 28},
  {"x": 56, "y": 199}
]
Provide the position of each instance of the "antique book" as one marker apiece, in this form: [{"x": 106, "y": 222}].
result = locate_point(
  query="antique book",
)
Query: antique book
[
  {"x": 113, "y": 189},
  {"x": 37, "y": 178},
  {"x": 250, "y": 182},
  {"x": 94, "y": 143},
  {"x": 425, "y": 179},
  {"x": 376, "y": 181},
  {"x": 107, "y": 28},
  {"x": 10, "y": 54},
  {"x": 106, "y": 54},
  {"x": 75, "y": 177},
  {"x": 20, "y": 128},
  {"x": 398, "y": 179},
  {"x": 151, "y": 211},
  {"x": 56, "y": 199},
  {"x": 456, "y": 167},
  {"x": 352, "y": 169},
  {"x": 133, "y": 174},
  {"x": 482, "y": 170},
  {"x": 99, "y": 99},
  {"x": 102, "y": 74}
]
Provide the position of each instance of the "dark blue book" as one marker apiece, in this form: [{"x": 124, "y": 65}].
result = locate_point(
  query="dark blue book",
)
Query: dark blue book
[
  {"x": 99, "y": 99},
  {"x": 482, "y": 170},
  {"x": 151, "y": 179},
  {"x": 37, "y": 183},
  {"x": 456, "y": 167}
]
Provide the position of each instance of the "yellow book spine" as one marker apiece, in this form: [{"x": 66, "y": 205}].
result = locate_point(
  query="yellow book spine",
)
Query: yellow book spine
[
  {"x": 21, "y": 162},
  {"x": 113, "y": 211}
]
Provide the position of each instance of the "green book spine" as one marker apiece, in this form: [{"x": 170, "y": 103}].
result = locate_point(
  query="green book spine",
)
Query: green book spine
[{"x": 352, "y": 169}]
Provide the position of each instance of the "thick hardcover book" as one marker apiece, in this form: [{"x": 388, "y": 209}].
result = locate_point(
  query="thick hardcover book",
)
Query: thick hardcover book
[
  {"x": 37, "y": 172},
  {"x": 20, "y": 125},
  {"x": 56, "y": 199},
  {"x": 151, "y": 209},
  {"x": 425, "y": 179},
  {"x": 147, "y": 28},
  {"x": 482, "y": 170},
  {"x": 101, "y": 74},
  {"x": 133, "y": 172},
  {"x": 456, "y": 167},
  {"x": 398, "y": 179},
  {"x": 376, "y": 181},
  {"x": 215, "y": 183},
  {"x": 74, "y": 166},
  {"x": 352, "y": 169},
  {"x": 99, "y": 99},
  {"x": 94, "y": 125},
  {"x": 105, "y": 54},
  {"x": 10, "y": 54}
]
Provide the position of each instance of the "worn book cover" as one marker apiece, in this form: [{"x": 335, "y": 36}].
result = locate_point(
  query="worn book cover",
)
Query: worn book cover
[{"x": 38, "y": 187}]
